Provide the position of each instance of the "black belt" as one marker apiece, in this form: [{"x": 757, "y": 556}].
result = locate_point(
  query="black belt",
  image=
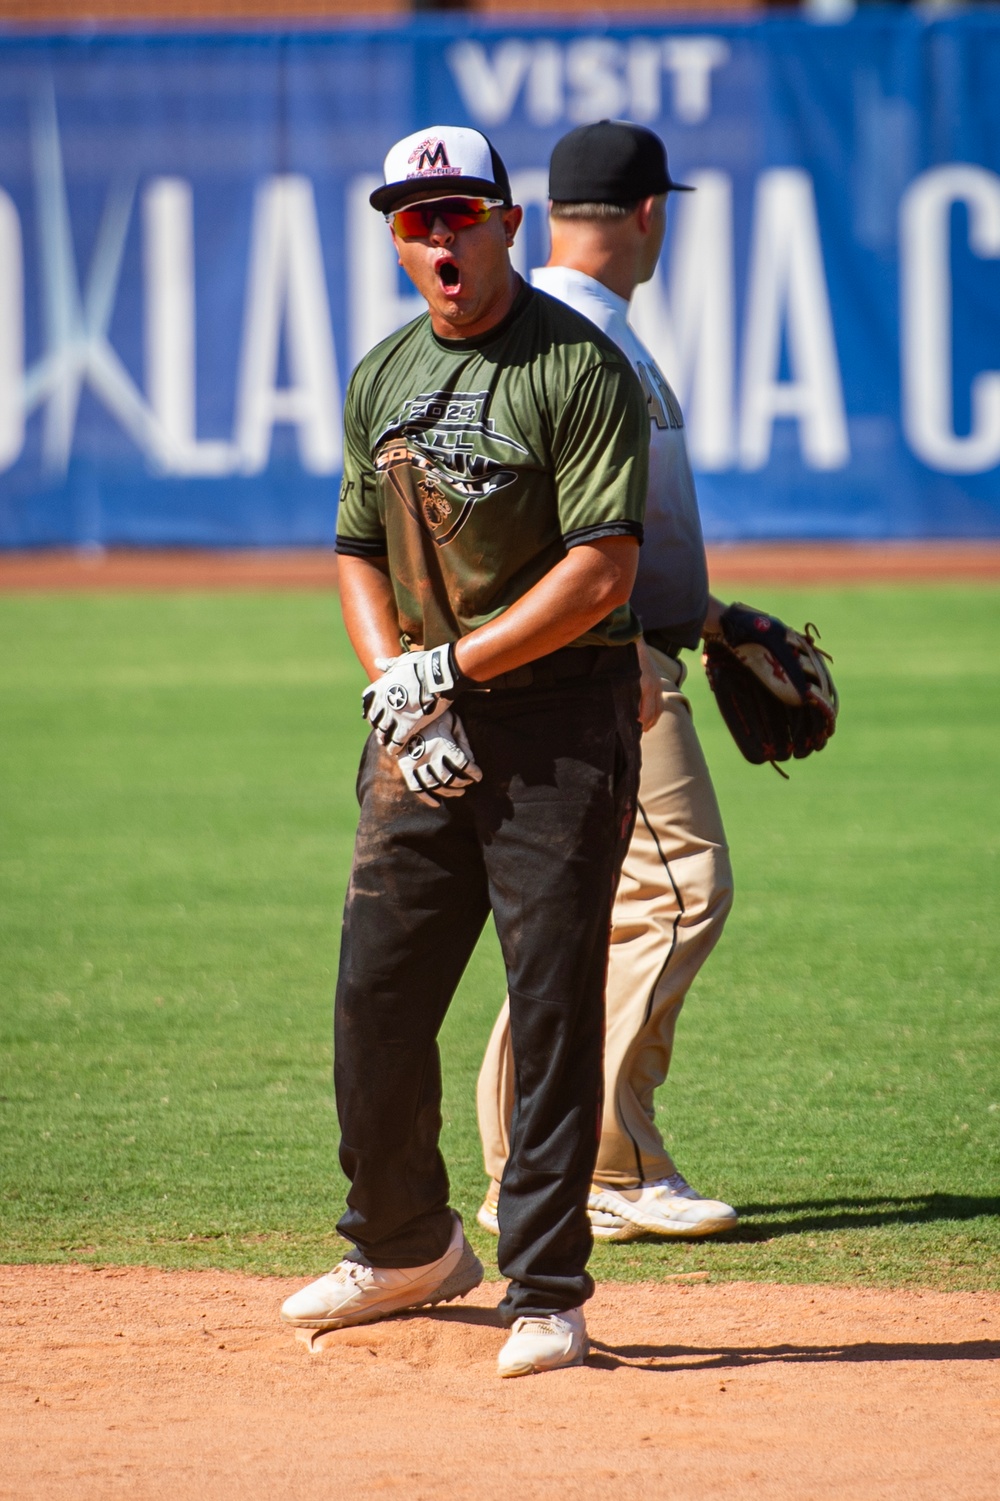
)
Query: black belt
[
  {"x": 669, "y": 649},
  {"x": 562, "y": 666}
]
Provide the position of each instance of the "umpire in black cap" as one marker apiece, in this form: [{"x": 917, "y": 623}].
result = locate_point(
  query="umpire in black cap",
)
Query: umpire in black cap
[
  {"x": 611, "y": 161},
  {"x": 609, "y": 185}
]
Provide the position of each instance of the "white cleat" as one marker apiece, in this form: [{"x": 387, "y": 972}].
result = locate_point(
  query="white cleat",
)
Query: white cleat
[
  {"x": 356, "y": 1294},
  {"x": 545, "y": 1343},
  {"x": 668, "y": 1207}
]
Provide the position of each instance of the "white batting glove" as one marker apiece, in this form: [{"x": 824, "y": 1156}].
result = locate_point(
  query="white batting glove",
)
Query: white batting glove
[
  {"x": 437, "y": 762},
  {"x": 413, "y": 690}
]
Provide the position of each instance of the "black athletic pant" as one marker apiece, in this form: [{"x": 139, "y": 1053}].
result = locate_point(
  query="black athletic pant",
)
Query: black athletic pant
[{"x": 540, "y": 841}]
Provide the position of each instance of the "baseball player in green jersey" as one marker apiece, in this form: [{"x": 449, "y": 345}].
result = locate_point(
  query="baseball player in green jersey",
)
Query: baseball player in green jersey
[
  {"x": 495, "y": 471},
  {"x": 608, "y": 184}
]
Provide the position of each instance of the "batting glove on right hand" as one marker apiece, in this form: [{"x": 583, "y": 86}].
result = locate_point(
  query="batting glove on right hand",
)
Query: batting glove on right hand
[
  {"x": 438, "y": 762},
  {"x": 413, "y": 690}
]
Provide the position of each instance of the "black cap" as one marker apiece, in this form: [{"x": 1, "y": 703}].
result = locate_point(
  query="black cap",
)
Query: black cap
[{"x": 612, "y": 161}]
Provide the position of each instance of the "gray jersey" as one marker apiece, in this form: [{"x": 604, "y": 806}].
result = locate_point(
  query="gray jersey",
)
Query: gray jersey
[{"x": 671, "y": 588}]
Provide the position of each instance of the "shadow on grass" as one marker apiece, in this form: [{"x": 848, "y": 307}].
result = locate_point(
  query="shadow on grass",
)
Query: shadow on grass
[
  {"x": 800, "y": 1216},
  {"x": 670, "y": 1358}
]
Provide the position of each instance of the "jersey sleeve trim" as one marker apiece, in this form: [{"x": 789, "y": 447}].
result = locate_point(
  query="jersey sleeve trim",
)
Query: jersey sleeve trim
[
  {"x": 361, "y": 547},
  {"x": 603, "y": 529}
]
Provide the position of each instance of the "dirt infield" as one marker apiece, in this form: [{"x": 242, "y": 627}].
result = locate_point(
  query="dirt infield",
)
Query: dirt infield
[
  {"x": 786, "y": 563},
  {"x": 142, "y": 1383}
]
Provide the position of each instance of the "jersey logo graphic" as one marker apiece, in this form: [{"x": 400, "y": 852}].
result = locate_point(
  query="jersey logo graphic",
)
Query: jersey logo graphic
[
  {"x": 431, "y": 157},
  {"x": 430, "y": 457},
  {"x": 664, "y": 409}
]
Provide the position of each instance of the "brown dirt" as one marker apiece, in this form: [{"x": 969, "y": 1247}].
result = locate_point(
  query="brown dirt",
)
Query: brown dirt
[
  {"x": 143, "y": 1383},
  {"x": 778, "y": 563}
]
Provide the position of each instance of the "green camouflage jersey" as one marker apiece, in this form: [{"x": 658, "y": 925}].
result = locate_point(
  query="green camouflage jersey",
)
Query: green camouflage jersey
[{"x": 474, "y": 464}]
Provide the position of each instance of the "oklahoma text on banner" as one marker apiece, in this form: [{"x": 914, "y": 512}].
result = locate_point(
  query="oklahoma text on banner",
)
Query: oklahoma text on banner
[{"x": 189, "y": 268}]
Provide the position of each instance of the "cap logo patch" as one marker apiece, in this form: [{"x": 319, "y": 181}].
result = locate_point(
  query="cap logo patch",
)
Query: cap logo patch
[{"x": 431, "y": 157}]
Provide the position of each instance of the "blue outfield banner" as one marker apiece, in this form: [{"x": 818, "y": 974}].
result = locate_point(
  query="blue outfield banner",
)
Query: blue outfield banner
[{"x": 189, "y": 268}]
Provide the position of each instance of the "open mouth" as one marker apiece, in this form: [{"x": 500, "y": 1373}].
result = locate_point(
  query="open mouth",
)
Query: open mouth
[{"x": 449, "y": 275}]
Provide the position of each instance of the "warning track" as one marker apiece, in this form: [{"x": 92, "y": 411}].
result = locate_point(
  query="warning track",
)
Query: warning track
[{"x": 775, "y": 563}]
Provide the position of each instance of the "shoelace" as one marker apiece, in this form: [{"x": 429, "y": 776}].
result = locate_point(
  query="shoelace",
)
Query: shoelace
[
  {"x": 351, "y": 1271},
  {"x": 538, "y": 1326},
  {"x": 678, "y": 1185}
]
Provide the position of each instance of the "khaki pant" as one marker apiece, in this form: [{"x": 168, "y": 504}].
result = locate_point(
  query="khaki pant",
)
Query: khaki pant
[{"x": 675, "y": 893}]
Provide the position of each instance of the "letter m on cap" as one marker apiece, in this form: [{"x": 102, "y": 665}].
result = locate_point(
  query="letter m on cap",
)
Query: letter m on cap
[{"x": 430, "y": 154}]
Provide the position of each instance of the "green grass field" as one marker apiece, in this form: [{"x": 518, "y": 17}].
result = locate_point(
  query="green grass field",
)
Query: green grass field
[{"x": 176, "y": 817}]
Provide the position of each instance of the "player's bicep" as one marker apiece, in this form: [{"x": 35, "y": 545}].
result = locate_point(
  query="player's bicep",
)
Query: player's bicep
[
  {"x": 360, "y": 529},
  {"x": 602, "y": 457},
  {"x": 605, "y": 568}
]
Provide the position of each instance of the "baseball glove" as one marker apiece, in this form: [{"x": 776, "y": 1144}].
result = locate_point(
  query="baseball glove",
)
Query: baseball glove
[{"x": 772, "y": 685}]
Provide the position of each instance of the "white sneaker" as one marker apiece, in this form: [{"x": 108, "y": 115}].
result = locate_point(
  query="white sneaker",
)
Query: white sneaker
[
  {"x": 668, "y": 1207},
  {"x": 486, "y": 1214},
  {"x": 356, "y": 1294},
  {"x": 545, "y": 1344},
  {"x": 605, "y": 1226}
]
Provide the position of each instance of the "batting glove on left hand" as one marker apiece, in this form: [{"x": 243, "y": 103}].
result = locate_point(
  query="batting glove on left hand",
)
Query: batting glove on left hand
[
  {"x": 411, "y": 693},
  {"x": 438, "y": 762}
]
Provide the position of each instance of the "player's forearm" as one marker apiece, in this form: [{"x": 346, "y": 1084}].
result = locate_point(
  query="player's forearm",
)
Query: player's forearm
[
  {"x": 711, "y": 626},
  {"x": 590, "y": 582},
  {"x": 369, "y": 609}
]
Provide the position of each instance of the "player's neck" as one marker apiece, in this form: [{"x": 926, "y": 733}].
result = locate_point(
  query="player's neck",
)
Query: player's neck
[
  {"x": 598, "y": 251},
  {"x": 491, "y": 312}
]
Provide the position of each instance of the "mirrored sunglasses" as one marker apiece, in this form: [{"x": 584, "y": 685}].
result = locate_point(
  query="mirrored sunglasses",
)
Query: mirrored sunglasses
[{"x": 418, "y": 220}]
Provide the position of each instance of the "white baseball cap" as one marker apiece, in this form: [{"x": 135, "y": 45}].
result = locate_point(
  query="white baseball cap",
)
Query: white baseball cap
[{"x": 451, "y": 157}]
